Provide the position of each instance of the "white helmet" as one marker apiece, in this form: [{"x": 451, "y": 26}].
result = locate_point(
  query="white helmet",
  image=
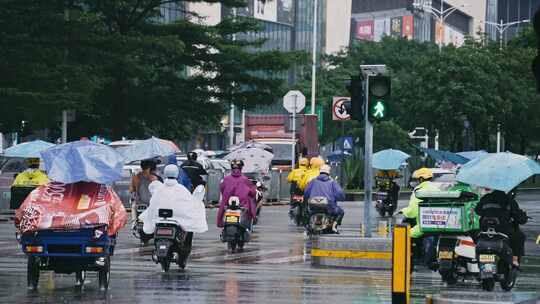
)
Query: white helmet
[{"x": 171, "y": 171}]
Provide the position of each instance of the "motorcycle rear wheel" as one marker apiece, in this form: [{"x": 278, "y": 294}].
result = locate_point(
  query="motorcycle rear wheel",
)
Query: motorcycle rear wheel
[
  {"x": 165, "y": 265},
  {"x": 32, "y": 273},
  {"x": 450, "y": 277},
  {"x": 509, "y": 280},
  {"x": 488, "y": 284},
  {"x": 232, "y": 246}
]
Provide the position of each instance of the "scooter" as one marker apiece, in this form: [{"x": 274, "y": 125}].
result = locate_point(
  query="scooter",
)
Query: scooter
[
  {"x": 384, "y": 204},
  {"x": 236, "y": 231},
  {"x": 259, "y": 195},
  {"x": 137, "y": 227},
  {"x": 172, "y": 243},
  {"x": 494, "y": 256},
  {"x": 299, "y": 213},
  {"x": 456, "y": 258},
  {"x": 320, "y": 222}
]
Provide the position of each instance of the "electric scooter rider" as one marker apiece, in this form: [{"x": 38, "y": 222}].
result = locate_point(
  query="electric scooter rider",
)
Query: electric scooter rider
[
  {"x": 194, "y": 170},
  {"x": 237, "y": 184},
  {"x": 325, "y": 186},
  {"x": 424, "y": 177},
  {"x": 504, "y": 207},
  {"x": 190, "y": 213},
  {"x": 295, "y": 177}
]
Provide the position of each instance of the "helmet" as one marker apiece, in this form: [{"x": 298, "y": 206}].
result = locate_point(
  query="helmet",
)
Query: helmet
[
  {"x": 171, "y": 171},
  {"x": 326, "y": 169},
  {"x": 303, "y": 162},
  {"x": 33, "y": 162},
  {"x": 316, "y": 162},
  {"x": 192, "y": 156},
  {"x": 237, "y": 164},
  {"x": 423, "y": 173}
]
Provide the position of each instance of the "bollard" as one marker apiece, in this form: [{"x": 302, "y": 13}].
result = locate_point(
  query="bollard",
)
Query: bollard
[
  {"x": 382, "y": 229},
  {"x": 279, "y": 186},
  {"x": 401, "y": 265}
]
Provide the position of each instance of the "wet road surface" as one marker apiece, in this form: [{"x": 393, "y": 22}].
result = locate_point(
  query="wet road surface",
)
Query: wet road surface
[{"x": 274, "y": 268}]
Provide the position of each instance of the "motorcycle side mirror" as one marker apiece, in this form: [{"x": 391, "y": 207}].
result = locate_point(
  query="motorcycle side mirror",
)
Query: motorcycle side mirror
[{"x": 413, "y": 184}]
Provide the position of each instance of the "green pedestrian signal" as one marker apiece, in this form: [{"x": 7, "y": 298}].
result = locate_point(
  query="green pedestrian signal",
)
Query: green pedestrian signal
[
  {"x": 378, "y": 110},
  {"x": 379, "y": 97}
]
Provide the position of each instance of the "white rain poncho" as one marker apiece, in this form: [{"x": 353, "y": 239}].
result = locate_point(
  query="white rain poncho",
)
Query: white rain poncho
[{"x": 188, "y": 210}]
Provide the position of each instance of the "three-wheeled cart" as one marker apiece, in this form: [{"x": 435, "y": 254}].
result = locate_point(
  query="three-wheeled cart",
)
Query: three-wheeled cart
[{"x": 69, "y": 251}]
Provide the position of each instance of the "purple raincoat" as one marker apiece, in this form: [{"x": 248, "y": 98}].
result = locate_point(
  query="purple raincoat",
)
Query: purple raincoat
[{"x": 237, "y": 184}]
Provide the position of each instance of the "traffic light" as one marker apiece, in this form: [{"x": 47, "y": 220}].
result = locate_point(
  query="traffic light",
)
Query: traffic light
[
  {"x": 354, "y": 107},
  {"x": 379, "y": 96}
]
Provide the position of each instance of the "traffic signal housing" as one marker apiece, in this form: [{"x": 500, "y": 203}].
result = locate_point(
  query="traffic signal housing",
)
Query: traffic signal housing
[
  {"x": 355, "y": 106},
  {"x": 380, "y": 88}
]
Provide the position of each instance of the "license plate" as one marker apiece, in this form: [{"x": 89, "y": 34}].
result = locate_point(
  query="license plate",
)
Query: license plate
[
  {"x": 446, "y": 255},
  {"x": 162, "y": 247},
  {"x": 232, "y": 219},
  {"x": 487, "y": 258},
  {"x": 164, "y": 231},
  {"x": 488, "y": 268}
]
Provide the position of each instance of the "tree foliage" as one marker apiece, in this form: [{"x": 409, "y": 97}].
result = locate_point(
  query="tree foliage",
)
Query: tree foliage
[
  {"x": 126, "y": 71},
  {"x": 476, "y": 85}
]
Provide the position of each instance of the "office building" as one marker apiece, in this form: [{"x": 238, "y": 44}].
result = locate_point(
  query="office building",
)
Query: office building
[
  {"x": 509, "y": 11},
  {"x": 373, "y": 19}
]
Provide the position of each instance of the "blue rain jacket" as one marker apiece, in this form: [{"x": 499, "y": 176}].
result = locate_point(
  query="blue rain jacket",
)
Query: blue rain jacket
[{"x": 324, "y": 186}]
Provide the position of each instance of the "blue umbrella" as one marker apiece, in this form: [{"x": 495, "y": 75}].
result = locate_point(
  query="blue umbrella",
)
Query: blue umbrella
[
  {"x": 389, "y": 159},
  {"x": 149, "y": 148},
  {"x": 29, "y": 149},
  {"x": 499, "y": 171},
  {"x": 83, "y": 161},
  {"x": 470, "y": 155}
]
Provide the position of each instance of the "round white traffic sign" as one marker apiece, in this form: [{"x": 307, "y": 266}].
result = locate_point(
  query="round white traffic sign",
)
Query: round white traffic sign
[
  {"x": 339, "y": 111},
  {"x": 294, "y": 101}
]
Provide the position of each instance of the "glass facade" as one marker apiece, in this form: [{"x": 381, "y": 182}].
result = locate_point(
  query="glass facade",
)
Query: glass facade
[{"x": 509, "y": 11}]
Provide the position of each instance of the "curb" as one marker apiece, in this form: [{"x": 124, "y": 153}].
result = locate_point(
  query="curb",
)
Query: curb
[
  {"x": 352, "y": 252},
  {"x": 479, "y": 297}
]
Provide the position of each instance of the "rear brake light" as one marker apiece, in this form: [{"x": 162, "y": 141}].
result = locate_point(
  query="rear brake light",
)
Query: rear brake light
[
  {"x": 34, "y": 249},
  {"x": 94, "y": 249},
  {"x": 166, "y": 232},
  {"x": 233, "y": 213},
  {"x": 467, "y": 243}
]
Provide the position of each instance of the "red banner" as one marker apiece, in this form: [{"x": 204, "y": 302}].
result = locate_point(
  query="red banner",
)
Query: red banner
[
  {"x": 71, "y": 206},
  {"x": 364, "y": 30},
  {"x": 408, "y": 27}
]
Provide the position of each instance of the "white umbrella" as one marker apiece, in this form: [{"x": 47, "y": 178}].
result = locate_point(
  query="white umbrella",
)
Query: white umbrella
[{"x": 255, "y": 159}]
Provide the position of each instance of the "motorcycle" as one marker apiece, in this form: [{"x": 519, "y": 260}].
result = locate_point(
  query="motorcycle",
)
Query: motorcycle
[
  {"x": 494, "y": 256},
  {"x": 384, "y": 204},
  {"x": 299, "y": 213},
  {"x": 386, "y": 201},
  {"x": 236, "y": 231},
  {"x": 137, "y": 227},
  {"x": 320, "y": 222},
  {"x": 258, "y": 197},
  {"x": 456, "y": 258},
  {"x": 171, "y": 242}
]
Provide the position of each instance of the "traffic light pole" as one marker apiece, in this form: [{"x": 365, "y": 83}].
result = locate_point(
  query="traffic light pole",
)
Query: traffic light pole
[{"x": 368, "y": 153}]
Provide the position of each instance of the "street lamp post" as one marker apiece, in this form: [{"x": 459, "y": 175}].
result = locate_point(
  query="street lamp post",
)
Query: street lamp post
[
  {"x": 502, "y": 27},
  {"x": 314, "y": 59},
  {"x": 440, "y": 14}
]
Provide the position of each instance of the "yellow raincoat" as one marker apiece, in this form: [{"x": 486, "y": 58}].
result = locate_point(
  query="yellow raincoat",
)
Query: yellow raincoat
[
  {"x": 31, "y": 178},
  {"x": 297, "y": 174},
  {"x": 412, "y": 210},
  {"x": 314, "y": 171}
]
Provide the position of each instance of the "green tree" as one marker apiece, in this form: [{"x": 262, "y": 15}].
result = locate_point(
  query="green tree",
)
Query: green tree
[{"x": 129, "y": 73}]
